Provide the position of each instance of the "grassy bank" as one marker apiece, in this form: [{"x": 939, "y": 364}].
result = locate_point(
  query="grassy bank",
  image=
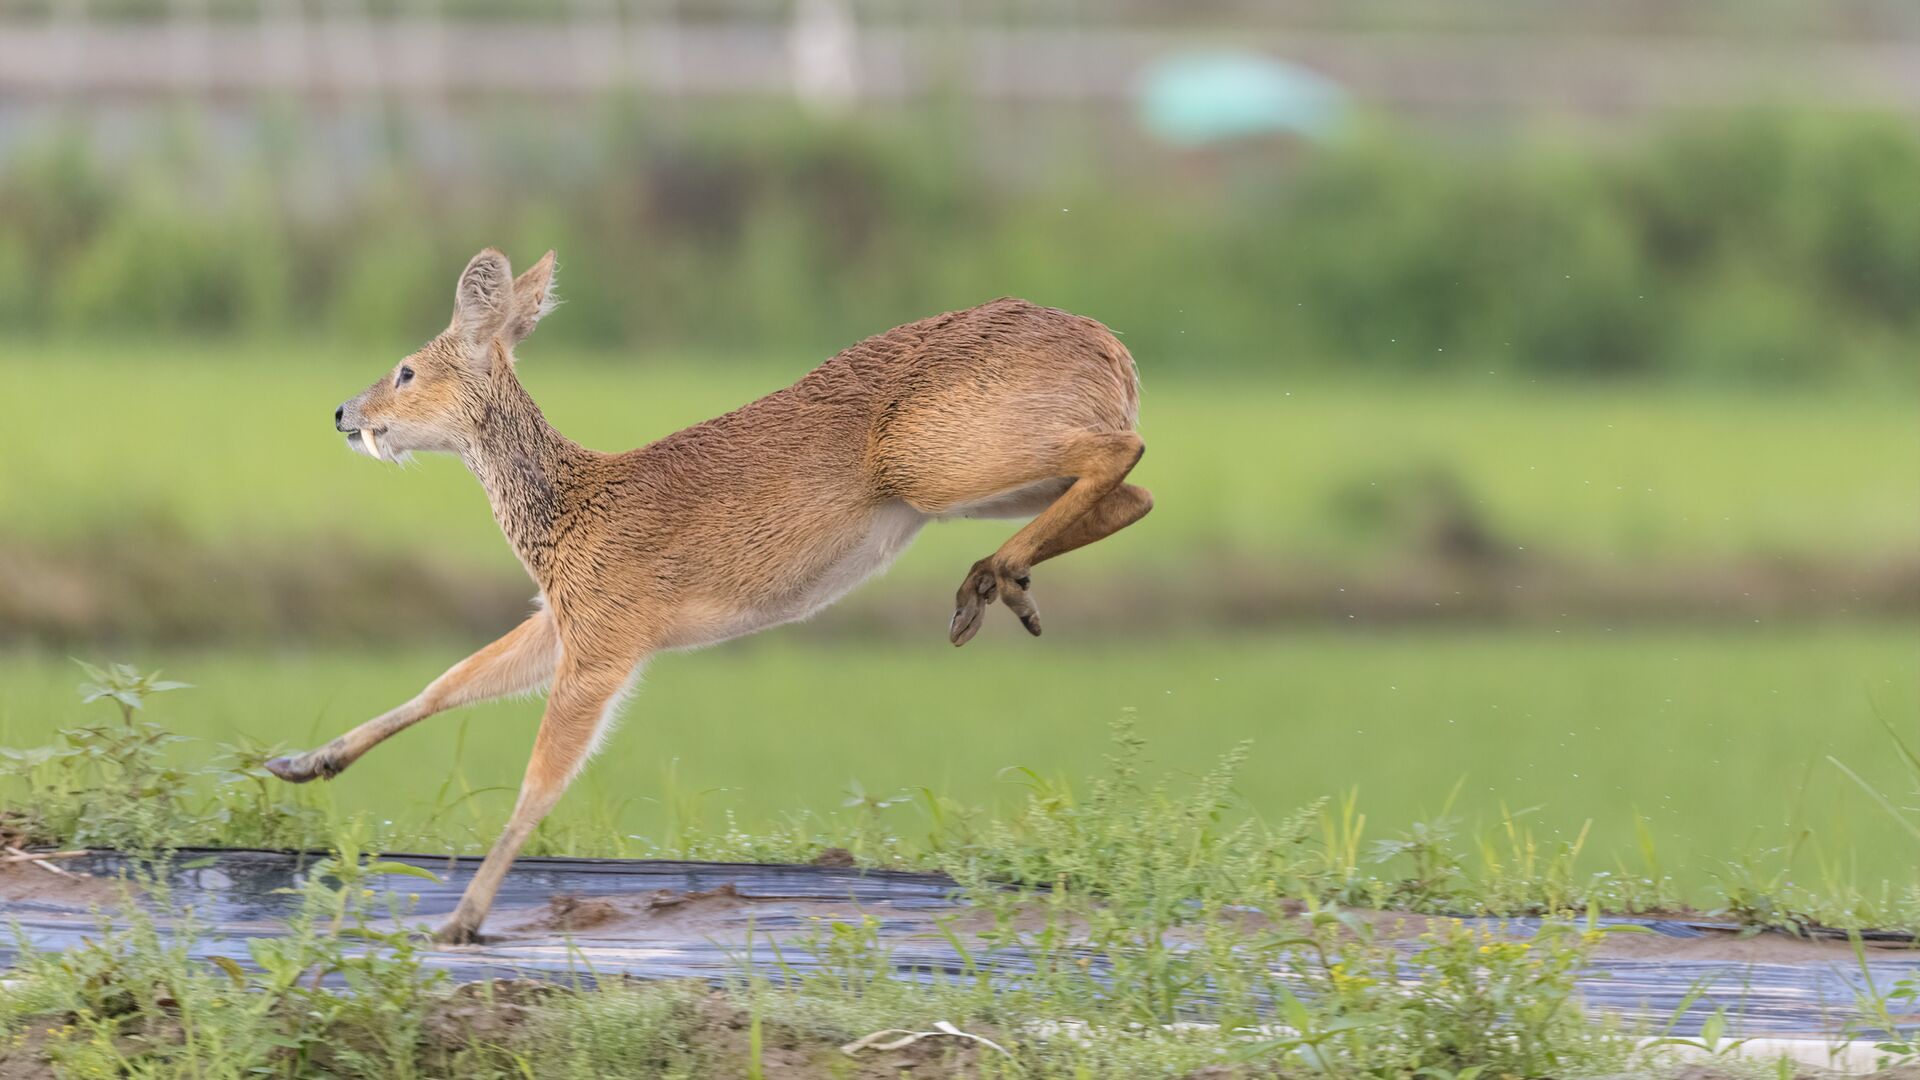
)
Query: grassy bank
[
  {"x": 1713, "y": 745},
  {"x": 1137, "y": 969}
]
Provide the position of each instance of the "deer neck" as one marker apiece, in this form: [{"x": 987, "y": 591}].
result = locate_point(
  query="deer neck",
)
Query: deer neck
[{"x": 526, "y": 468}]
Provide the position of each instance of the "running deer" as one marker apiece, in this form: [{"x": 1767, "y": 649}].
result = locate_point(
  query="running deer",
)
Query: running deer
[{"x": 760, "y": 517}]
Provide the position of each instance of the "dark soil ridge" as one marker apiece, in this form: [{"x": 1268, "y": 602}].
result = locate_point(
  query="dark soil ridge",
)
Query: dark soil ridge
[
  {"x": 658, "y": 919},
  {"x": 151, "y": 584}
]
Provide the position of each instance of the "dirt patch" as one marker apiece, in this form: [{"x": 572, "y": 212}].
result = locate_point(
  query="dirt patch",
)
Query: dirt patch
[
  {"x": 25, "y": 1056},
  {"x": 837, "y": 857},
  {"x": 28, "y": 883},
  {"x": 495, "y": 1013},
  {"x": 723, "y": 1030},
  {"x": 718, "y": 1030}
]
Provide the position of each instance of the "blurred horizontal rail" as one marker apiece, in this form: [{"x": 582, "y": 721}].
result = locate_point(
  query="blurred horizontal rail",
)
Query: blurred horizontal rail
[{"x": 350, "y": 58}]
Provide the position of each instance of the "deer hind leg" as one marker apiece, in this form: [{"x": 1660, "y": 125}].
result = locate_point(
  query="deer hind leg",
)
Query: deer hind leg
[
  {"x": 1095, "y": 505},
  {"x": 1116, "y": 510},
  {"x": 521, "y": 661},
  {"x": 579, "y": 710}
]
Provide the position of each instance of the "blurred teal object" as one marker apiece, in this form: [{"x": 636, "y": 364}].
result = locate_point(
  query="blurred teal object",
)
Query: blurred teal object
[{"x": 1196, "y": 98}]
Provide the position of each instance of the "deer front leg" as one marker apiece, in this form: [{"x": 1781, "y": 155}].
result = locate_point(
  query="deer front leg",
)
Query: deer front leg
[
  {"x": 584, "y": 697},
  {"x": 523, "y": 660}
]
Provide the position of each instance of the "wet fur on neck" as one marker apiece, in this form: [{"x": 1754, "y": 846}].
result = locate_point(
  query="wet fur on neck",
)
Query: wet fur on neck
[{"x": 524, "y": 465}]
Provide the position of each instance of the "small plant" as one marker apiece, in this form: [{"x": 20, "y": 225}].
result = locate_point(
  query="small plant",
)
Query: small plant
[
  {"x": 119, "y": 785},
  {"x": 387, "y": 981},
  {"x": 872, "y": 841},
  {"x": 1906, "y": 817},
  {"x": 125, "y": 686},
  {"x": 1437, "y": 869},
  {"x": 1712, "y": 1040},
  {"x": 1465, "y": 1003},
  {"x": 253, "y": 808},
  {"x": 105, "y": 785},
  {"x": 1761, "y": 901},
  {"x": 1885, "y": 1016}
]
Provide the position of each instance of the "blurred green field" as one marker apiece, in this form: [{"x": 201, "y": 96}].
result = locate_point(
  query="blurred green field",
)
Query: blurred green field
[
  {"x": 1719, "y": 739},
  {"x": 1717, "y": 736},
  {"x": 234, "y": 445}
]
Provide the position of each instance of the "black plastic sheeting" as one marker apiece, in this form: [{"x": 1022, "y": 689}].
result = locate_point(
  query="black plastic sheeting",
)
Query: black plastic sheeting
[{"x": 234, "y": 895}]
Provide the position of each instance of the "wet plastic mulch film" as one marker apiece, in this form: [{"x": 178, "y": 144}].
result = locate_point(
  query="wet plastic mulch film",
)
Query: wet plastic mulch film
[{"x": 658, "y": 919}]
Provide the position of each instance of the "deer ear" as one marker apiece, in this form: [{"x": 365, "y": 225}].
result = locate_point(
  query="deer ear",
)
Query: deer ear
[
  {"x": 533, "y": 297},
  {"x": 483, "y": 301}
]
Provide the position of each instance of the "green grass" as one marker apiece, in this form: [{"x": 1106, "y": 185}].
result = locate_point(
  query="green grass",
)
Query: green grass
[
  {"x": 235, "y": 445},
  {"x": 1719, "y": 740}
]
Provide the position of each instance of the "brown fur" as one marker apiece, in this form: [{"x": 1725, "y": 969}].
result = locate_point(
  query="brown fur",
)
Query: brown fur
[{"x": 754, "y": 518}]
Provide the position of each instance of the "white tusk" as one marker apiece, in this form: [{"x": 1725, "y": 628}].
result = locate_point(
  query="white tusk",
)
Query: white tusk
[{"x": 367, "y": 437}]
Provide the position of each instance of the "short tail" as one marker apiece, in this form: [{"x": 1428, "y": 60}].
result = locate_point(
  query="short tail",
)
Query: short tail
[{"x": 1125, "y": 370}]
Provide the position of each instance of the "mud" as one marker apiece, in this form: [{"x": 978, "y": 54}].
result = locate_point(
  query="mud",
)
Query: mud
[
  {"x": 1730, "y": 944},
  {"x": 1673, "y": 937},
  {"x": 666, "y": 912}
]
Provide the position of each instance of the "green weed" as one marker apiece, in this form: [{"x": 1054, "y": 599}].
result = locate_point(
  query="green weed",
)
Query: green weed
[{"x": 118, "y": 786}]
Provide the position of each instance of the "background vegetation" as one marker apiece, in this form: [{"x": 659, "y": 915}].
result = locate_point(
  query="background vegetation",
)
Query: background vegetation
[{"x": 1764, "y": 247}]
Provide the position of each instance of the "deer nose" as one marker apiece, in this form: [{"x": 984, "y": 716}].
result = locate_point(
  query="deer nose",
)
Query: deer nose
[{"x": 339, "y": 416}]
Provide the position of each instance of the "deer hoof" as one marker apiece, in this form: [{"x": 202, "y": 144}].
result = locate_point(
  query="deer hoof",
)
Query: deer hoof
[
  {"x": 976, "y": 592},
  {"x": 984, "y": 584},
  {"x": 300, "y": 768},
  {"x": 1013, "y": 593},
  {"x": 457, "y": 932},
  {"x": 964, "y": 625},
  {"x": 294, "y": 770}
]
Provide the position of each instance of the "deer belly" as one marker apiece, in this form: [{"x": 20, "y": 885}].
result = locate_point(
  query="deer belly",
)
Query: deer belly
[{"x": 865, "y": 553}]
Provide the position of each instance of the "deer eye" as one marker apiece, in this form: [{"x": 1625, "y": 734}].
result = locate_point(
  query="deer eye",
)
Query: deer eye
[{"x": 406, "y": 376}]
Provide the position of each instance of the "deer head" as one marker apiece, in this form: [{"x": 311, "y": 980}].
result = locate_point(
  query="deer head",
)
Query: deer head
[{"x": 438, "y": 398}]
